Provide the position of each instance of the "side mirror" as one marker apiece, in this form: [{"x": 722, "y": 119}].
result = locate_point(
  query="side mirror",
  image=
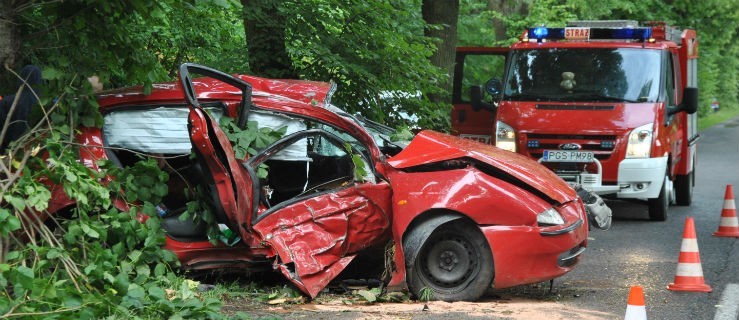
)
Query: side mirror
[
  {"x": 690, "y": 100},
  {"x": 494, "y": 87},
  {"x": 476, "y": 100}
]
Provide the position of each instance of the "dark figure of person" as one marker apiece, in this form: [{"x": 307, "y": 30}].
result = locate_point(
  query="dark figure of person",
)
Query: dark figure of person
[{"x": 18, "y": 124}]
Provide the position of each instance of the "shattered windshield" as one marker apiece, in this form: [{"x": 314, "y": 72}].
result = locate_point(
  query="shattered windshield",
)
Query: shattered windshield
[{"x": 583, "y": 74}]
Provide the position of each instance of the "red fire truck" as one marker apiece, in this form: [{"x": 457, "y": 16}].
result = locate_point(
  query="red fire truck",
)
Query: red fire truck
[{"x": 608, "y": 105}]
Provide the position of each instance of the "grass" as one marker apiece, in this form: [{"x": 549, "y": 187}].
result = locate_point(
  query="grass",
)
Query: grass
[{"x": 715, "y": 118}]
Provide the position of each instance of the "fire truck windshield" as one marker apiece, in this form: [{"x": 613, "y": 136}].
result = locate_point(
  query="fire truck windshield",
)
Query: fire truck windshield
[{"x": 583, "y": 74}]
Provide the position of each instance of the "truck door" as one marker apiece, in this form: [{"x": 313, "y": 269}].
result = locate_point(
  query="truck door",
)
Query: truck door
[
  {"x": 475, "y": 66},
  {"x": 674, "y": 124}
]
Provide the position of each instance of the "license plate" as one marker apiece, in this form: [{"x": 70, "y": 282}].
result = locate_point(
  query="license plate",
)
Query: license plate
[
  {"x": 477, "y": 137},
  {"x": 568, "y": 156}
]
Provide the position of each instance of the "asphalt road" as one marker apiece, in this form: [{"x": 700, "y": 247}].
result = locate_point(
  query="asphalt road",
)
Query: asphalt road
[{"x": 636, "y": 251}]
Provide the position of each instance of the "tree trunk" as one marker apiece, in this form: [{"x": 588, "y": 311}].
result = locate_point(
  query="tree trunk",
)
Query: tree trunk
[
  {"x": 264, "y": 27},
  {"x": 9, "y": 37},
  {"x": 506, "y": 7},
  {"x": 443, "y": 13}
]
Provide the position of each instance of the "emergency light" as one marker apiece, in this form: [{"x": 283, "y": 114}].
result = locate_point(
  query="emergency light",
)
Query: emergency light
[{"x": 586, "y": 33}]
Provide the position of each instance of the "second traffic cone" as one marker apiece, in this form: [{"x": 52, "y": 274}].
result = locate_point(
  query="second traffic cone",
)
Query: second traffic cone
[
  {"x": 635, "y": 307},
  {"x": 729, "y": 225},
  {"x": 689, "y": 275}
]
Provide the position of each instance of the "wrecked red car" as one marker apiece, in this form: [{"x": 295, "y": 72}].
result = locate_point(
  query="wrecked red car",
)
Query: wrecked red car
[{"x": 459, "y": 215}]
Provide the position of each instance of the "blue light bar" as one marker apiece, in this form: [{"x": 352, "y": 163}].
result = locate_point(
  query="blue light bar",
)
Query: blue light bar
[
  {"x": 584, "y": 33},
  {"x": 632, "y": 33},
  {"x": 532, "y": 144},
  {"x": 538, "y": 33},
  {"x": 546, "y": 33}
]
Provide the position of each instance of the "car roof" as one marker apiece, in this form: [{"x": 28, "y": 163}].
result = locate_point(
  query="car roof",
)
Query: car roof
[{"x": 300, "y": 98}]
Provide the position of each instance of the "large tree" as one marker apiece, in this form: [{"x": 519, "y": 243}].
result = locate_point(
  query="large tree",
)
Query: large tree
[
  {"x": 374, "y": 50},
  {"x": 264, "y": 26},
  {"x": 442, "y": 17},
  {"x": 9, "y": 39}
]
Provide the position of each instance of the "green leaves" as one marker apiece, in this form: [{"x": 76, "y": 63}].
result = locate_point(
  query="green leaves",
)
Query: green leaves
[
  {"x": 8, "y": 222},
  {"x": 250, "y": 140},
  {"x": 371, "y": 49}
]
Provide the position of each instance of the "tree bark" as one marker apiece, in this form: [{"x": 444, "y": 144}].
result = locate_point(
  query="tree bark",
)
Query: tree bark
[
  {"x": 506, "y": 7},
  {"x": 443, "y": 13},
  {"x": 9, "y": 37},
  {"x": 264, "y": 27}
]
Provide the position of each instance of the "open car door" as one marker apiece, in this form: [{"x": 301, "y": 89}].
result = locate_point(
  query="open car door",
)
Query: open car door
[
  {"x": 312, "y": 209},
  {"x": 476, "y": 66},
  {"x": 227, "y": 184}
]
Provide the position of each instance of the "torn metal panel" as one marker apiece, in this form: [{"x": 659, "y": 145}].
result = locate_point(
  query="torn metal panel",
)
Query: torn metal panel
[
  {"x": 316, "y": 238},
  {"x": 429, "y": 147}
]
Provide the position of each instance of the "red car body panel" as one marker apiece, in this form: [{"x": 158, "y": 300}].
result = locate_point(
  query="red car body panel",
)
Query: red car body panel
[
  {"x": 316, "y": 239},
  {"x": 206, "y": 255},
  {"x": 429, "y": 147},
  {"x": 484, "y": 199},
  {"x": 312, "y": 239}
]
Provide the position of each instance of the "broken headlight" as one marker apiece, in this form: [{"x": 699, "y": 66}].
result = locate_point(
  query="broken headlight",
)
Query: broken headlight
[{"x": 549, "y": 217}]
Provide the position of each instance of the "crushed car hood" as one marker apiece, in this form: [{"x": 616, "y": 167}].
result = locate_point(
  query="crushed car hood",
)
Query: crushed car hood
[{"x": 432, "y": 147}]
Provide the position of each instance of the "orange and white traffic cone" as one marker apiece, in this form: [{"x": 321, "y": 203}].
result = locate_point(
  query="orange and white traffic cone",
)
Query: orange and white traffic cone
[
  {"x": 729, "y": 225},
  {"x": 635, "y": 307},
  {"x": 689, "y": 275}
]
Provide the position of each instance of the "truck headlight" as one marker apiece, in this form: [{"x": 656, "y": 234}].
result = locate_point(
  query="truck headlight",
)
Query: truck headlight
[
  {"x": 640, "y": 142},
  {"x": 505, "y": 137},
  {"x": 549, "y": 217}
]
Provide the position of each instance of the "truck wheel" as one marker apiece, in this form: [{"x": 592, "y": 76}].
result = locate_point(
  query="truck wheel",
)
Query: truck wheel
[
  {"x": 684, "y": 188},
  {"x": 658, "y": 206},
  {"x": 455, "y": 263}
]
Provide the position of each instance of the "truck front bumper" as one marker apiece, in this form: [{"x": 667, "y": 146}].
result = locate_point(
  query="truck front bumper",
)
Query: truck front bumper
[
  {"x": 637, "y": 178},
  {"x": 641, "y": 178}
]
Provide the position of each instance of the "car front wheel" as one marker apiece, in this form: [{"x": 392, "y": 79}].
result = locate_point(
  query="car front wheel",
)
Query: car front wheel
[{"x": 454, "y": 263}]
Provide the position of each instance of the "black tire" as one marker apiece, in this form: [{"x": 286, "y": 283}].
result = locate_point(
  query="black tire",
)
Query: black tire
[
  {"x": 684, "y": 189},
  {"x": 658, "y": 206},
  {"x": 455, "y": 263}
]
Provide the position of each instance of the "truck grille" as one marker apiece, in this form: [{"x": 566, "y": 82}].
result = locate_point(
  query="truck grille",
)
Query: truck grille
[{"x": 601, "y": 145}]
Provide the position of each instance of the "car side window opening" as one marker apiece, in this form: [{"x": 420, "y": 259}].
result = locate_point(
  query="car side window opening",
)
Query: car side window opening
[
  {"x": 308, "y": 165},
  {"x": 324, "y": 165},
  {"x": 157, "y": 129},
  {"x": 159, "y": 132}
]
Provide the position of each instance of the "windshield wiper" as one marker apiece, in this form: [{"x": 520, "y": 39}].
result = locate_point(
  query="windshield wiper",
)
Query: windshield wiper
[
  {"x": 527, "y": 97},
  {"x": 601, "y": 97}
]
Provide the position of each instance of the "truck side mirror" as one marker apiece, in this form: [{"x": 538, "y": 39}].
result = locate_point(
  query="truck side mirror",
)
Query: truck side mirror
[
  {"x": 476, "y": 100},
  {"x": 494, "y": 87},
  {"x": 690, "y": 100}
]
